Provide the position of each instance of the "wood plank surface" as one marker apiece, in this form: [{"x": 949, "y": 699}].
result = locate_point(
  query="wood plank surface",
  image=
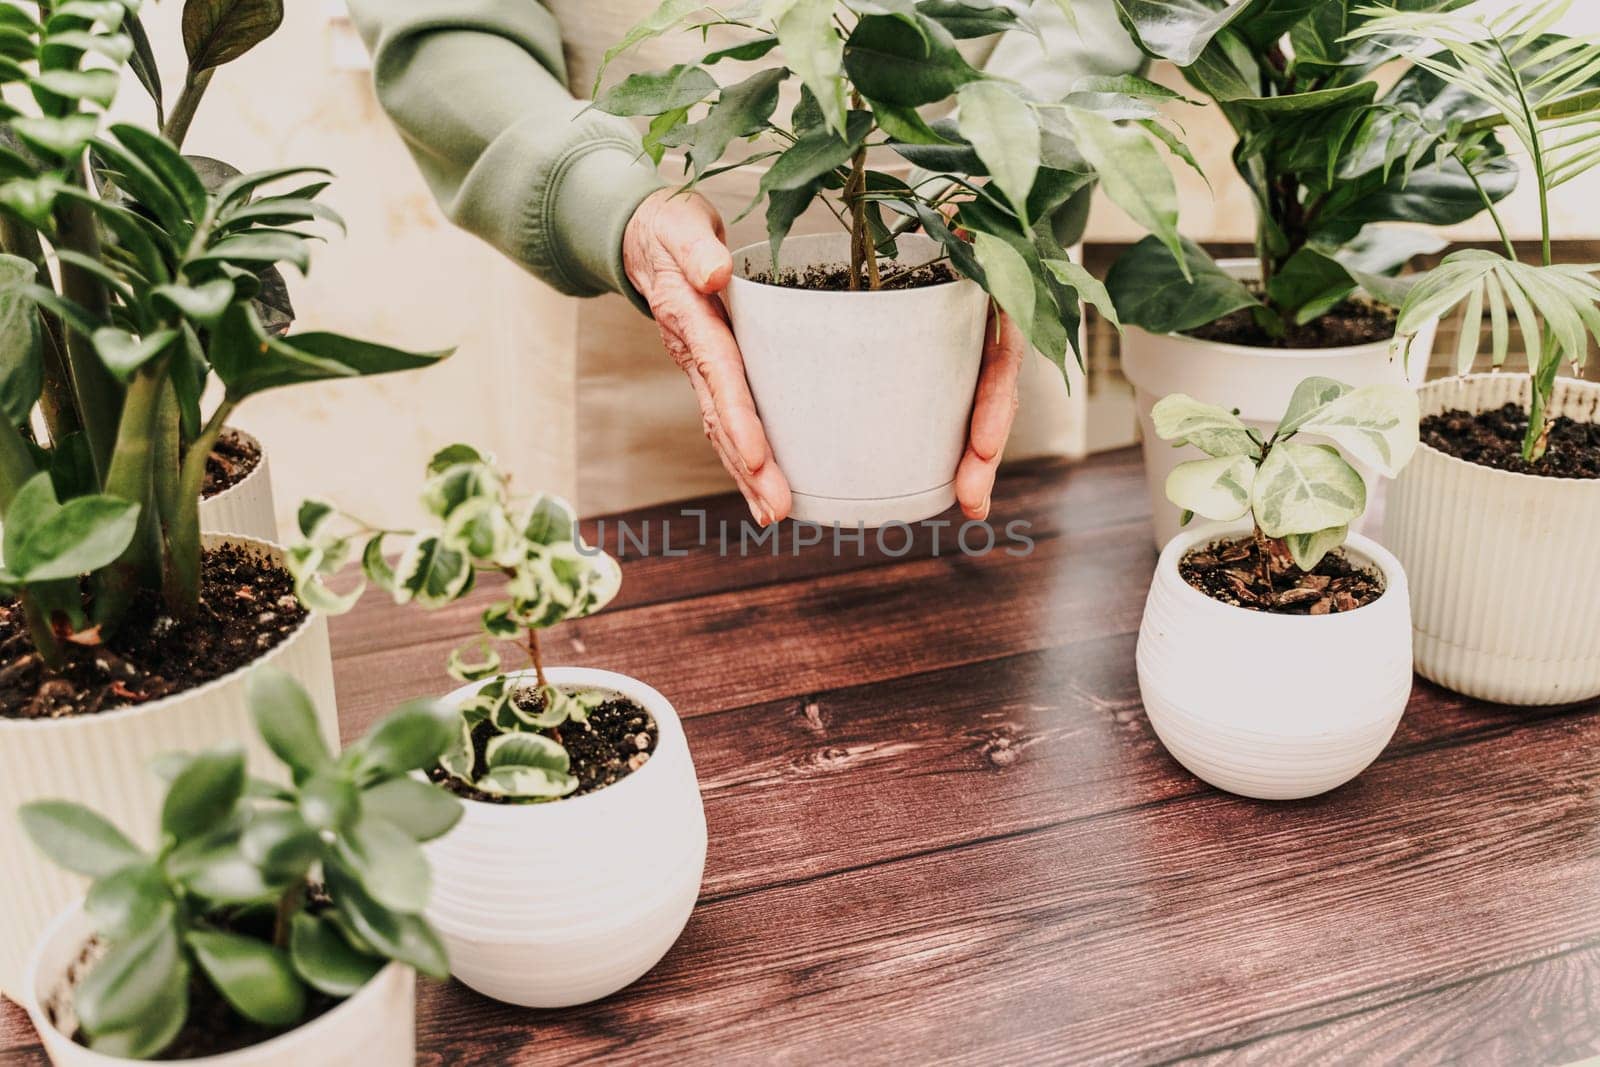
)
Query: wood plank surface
[{"x": 943, "y": 831}]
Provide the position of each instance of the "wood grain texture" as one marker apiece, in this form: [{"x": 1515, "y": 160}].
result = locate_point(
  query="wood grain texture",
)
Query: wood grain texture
[{"x": 943, "y": 831}]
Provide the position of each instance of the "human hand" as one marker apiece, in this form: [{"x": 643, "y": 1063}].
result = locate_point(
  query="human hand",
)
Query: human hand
[
  {"x": 994, "y": 408},
  {"x": 675, "y": 252}
]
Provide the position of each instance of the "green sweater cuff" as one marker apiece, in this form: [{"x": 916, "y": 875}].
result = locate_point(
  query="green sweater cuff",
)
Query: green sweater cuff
[{"x": 592, "y": 192}]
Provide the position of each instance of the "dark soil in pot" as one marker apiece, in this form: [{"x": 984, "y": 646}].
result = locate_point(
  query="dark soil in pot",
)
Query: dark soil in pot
[
  {"x": 619, "y": 738},
  {"x": 1354, "y": 322},
  {"x": 247, "y": 607},
  {"x": 1494, "y": 439},
  {"x": 234, "y": 459},
  {"x": 1230, "y": 571},
  {"x": 835, "y": 278}
]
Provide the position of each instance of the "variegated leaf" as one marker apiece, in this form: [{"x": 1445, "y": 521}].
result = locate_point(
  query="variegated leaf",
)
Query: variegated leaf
[
  {"x": 1213, "y": 430},
  {"x": 1303, "y": 488},
  {"x": 458, "y": 759},
  {"x": 431, "y": 573},
  {"x": 1376, "y": 424},
  {"x": 463, "y": 668},
  {"x": 1214, "y": 488},
  {"x": 1309, "y": 548},
  {"x": 1308, "y": 397}
]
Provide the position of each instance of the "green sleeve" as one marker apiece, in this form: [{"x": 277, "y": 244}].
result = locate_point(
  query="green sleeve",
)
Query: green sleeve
[{"x": 477, "y": 89}]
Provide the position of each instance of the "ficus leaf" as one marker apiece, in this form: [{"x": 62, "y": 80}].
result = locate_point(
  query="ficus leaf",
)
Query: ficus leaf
[{"x": 1003, "y": 131}]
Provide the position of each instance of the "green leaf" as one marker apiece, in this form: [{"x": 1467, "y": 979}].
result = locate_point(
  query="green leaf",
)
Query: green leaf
[
  {"x": 403, "y": 937},
  {"x": 325, "y": 960},
  {"x": 1215, "y": 488},
  {"x": 329, "y": 800},
  {"x": 1308, "y": 397},
  {"x": 421, "y": 809},
  {"x": 531, "y": 783},
  {"x": 282, "y": 844},
  {"x": 252, "y": 976},
  {"x": 1377, "y": 424},
  {"x": 1152, "y": 292},
  {"x": 1087, "y": 286},
  {"x": 128, "y": 901},
  {"x": 1178, "y": 30},
  {"x": 1309, "y": 548},
  {"x": 526, "y": 750},
  {"x": 410, "y": 738},
  {"x": 98, "y": 86},
  {"x": 64, "y": 138},
  {"x": 134, "y": 1001},
  {"x": 84, "y": 534},
  {"x": 815, "y": 154},
  {"x": 76, "y": 838},
  {"x": 21, "y": 368},
  {"x": 784, "y": 208},
  {"x": 1005, "y": 134},
  {"x": 1133, "y": 174},
  {"x": 167, "y": 163},
  {"x": 123, "y": 353},
  {"x": 1310, "y": 284},
  {"x": 1303, "y": 488},
  {"x": 744, "y": 52},
  {"x": 741, "y": 110},
  {"x": 204, "y": 793},
  {"x": 431, "y": 573},
  {"x": 215, "y": 868},
  {"x": 815, "y": 52},
  {"x": 219, "y": 31},
  {"x": 287, "y": 721},
  {"x": 388, "y": 862},
  {"x": 248, "y": 360},
  {"x": 659, "y": 21},
  {"x": 1008, "y": 279},
  {"x": 459, "y": 756},
  {"x": 257, "y": 248},
  {"x": 1213, "y": 430},
  {"x": 892, "y": 62},
  {"x": 658, "y": 91},
  {"x": 202, "y": 303}
]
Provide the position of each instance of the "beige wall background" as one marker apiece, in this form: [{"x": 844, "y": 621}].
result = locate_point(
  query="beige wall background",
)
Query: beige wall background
[{"x": 405, "y": 276}]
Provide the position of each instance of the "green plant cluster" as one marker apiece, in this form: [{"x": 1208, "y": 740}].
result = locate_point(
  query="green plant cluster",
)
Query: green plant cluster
[
  {"x": 1330, "y": 156},
  {"x": 1301, "y": 492},
  {"x": 225, "y": 896},
  {"x": 132, "y": 276},
  {"x": 866, "y": 69},
  {"x": 551, "y": 577}
]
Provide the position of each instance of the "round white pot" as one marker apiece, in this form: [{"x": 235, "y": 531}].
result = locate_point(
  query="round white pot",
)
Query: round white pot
[
  {"x": 102, "y": 761},
  {"x": 866, "y": 397},
  {"x": 1257, "y": 381},
  {"x": 1273, "y": 706},
  {"x": 560, "y": 903},
  {"x": 375, "y": 1027},
  {"x": 1504, "y": 567},
  {"x": 245, "y": 508}
]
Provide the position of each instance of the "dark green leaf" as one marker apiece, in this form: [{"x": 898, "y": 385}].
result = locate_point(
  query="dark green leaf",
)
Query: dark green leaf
[
  {"x": 408, "y": 738},
  {"x": 740, "y": 111},
  {"x": 388, "y": 862},
  {"x": 165, "y": 162},
  {"x": 749, "y": 50},
  {"x": 144, "y": 66},
  {"x": 21, "y": 368},
  {"x": 1309, "y": 284},
  {"x": 204, "y": 793},
  {"x": 815, "y": 154},
  {"x": 86, "y": 533},
  {"x": 287, "y": 721},
  {"x": 784, "y": 208},
  {"x": 892, "y": 62},
  {"x": 1178, "y": 30},
  {"x": 253, "y": 976},
  {"x": 657, "y": 91},
  {"x": 219, "y": 31},
  {"x": 325, "y": 960},
  {"x": 135, "y": 1000},
  {"x": 282, "y": 844},
  {"x": 406, "y": 938},
  {"x": 128, "y": 900},
  {"x": 421, "y": 809},
  {"x": 123, "y": 353},
  {"x": 76, "y": 838},
  {"x": 1151, "y": 292}
]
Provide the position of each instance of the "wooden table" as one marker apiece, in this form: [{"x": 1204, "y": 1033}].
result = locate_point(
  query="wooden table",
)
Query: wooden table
[{"x": 942, "y": 829}]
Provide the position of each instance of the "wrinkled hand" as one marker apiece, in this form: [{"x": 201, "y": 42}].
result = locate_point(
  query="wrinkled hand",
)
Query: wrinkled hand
[{"x": 675, "y": 252}]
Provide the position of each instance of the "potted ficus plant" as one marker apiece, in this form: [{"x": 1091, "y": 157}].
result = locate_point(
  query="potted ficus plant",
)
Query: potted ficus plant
[
  {"x": 862, "y": 348},
  {"x": 1275, "y": 653},
  {"x": 1332, "y": 160},
  {"x": 125, "y": 629},
  {"x": 1498, "y": 519},
  {"x": 536, "y": 901},
  {"x": 270, "y": 923}
]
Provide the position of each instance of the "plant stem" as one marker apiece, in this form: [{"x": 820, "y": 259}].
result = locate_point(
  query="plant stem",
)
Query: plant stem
[
  {"x": 132, "y": 477},
  {"x": 536, "y": 657},
  {"x": 56, "y": 402},
  {"x": 194, "y": 89},
  {"x": 288, "y": 908},
  {"x": 1264, "y": 561},
  {"x": 99, "y": 395},
  {"x": 183, "y": 535}
]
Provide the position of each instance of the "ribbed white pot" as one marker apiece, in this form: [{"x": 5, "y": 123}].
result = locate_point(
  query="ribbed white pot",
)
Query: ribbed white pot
[
  {"x": 1505, "y": 567},
  {"x": 102, "y": 761},
  {"x": 1257, "y": 381},
  {"x": 1273, "y": 706},
  {"x": 245, "y": 508},
  {"x": 375, "y": 1027},
  {"x": 866, "y": 396},
  {"x": 560, "y": 903}
]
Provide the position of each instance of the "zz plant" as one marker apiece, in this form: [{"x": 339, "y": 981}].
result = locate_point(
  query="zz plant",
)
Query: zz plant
[
  {"x": 550, "y": 576},
  {"x": 225, "y": 897},
  {"x": 1301, "y": 492},
  {"x": 132, "y": 276},
  {"x": 1544, "y": 88},
  {"x": 1329, "y": 155},
  {"x": 865, "y": 68}
]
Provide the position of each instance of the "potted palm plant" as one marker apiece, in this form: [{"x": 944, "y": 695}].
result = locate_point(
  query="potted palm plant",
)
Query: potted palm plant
[
  {"x": 862, "y": 348},
  {"x": 128, "y": 284},
  {"x": 1333, "y": 160},
  {"x": 1275, "y": 652},
  {"x": 271, "y": 924},
  {"x": 1498, "y": 520},
  {"x": 535, "y": 900}
]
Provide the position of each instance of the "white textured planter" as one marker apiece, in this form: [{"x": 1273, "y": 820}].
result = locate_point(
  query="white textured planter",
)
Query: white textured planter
[
  {"x": 866, "y": 397},
  {"x": 559, "y": 903},
  {"x": 245, "y": 508},
  {"x": 1273, "y": 706},
  {"x": 1257, "y": 381},
  {"x": 1505, "y": 567},
  {"x": 102, "y": 761},
  {"x": 375, "y": 1027}
]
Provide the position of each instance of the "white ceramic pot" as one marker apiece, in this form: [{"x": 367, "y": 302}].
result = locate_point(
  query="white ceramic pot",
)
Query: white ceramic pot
[
  {"x": 1257, "y": 381},
  {"x": 102, "y": 761},
  {"x": 866, "y": 397},
  {"x": 1505, "y": 567},
  {"x": 375, "y": 1027},
  {"x": 560, "y": 903},
  {"x": 1273, "y": 706},
  {"x": 245, "y": 508}
]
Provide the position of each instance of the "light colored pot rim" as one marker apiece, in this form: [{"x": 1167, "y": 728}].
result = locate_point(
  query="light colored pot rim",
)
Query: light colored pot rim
[
  {"x": 87, "y": 722},
  {"x": 669, "y": 732},
  {"x": 742, "y": 282},
  {"x": 261, "y": 459},
  {"x": 1550, "y": 483},
  {"x": 1363, "y": 547},
  {"x": 309, "y": 1031}
]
